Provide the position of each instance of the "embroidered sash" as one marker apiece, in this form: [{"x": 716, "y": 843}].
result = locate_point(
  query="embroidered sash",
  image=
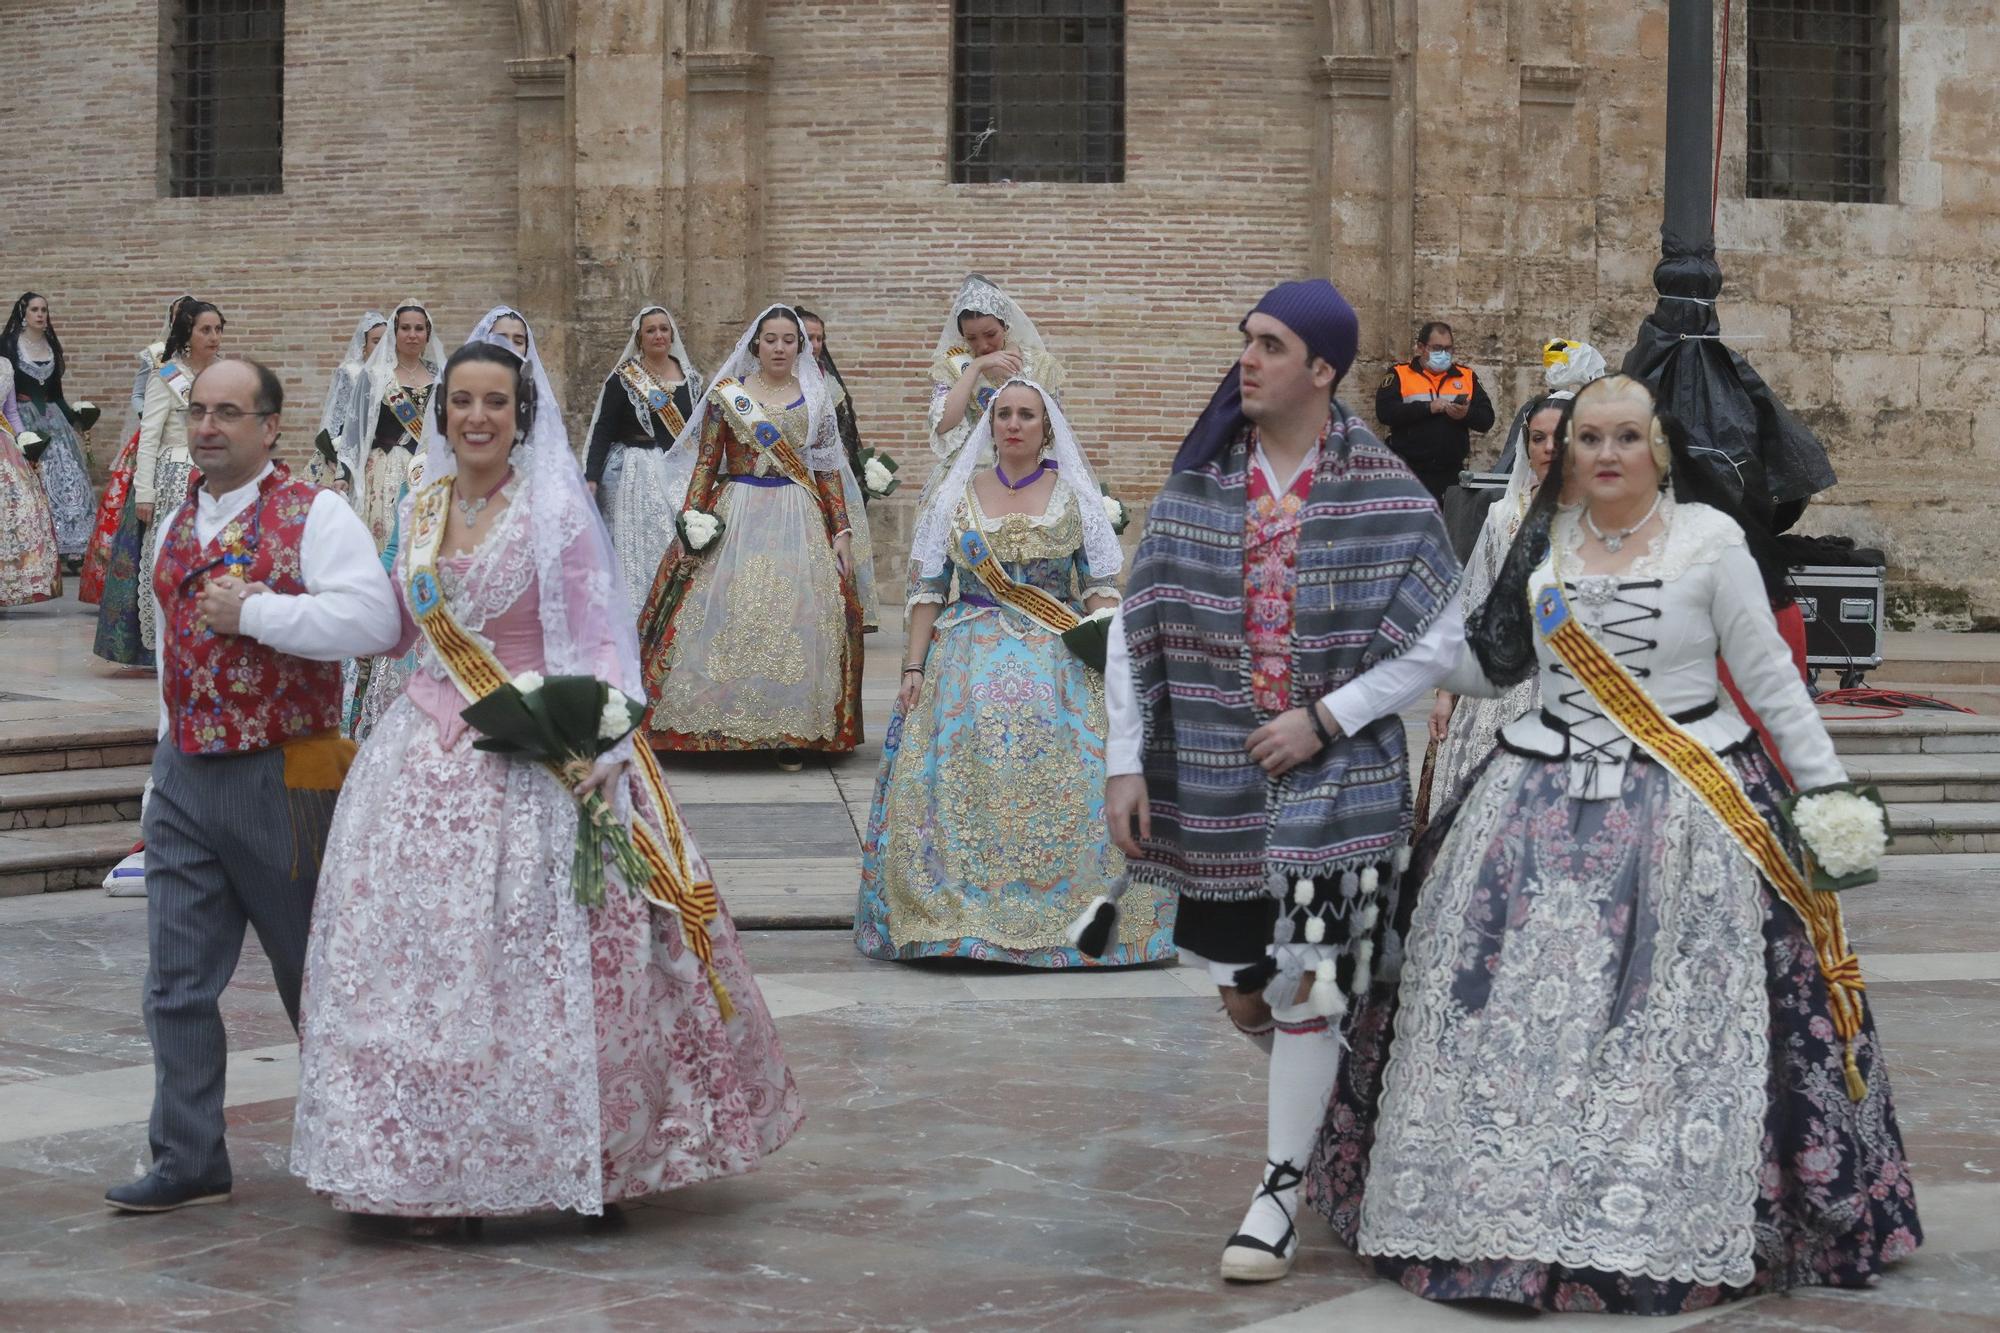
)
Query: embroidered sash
[
  {"x": 658, "y": 399},
  {"x": 404, "y": 408},
  {"x": 179, "y": 383},
  {"x": 1627, "y": 704},
  {"x": 1030, "y": 601},
  {"x": 956, "y": 359},
  {"x": 477, "y": 673},
  {"x": 747, "y": 418}
]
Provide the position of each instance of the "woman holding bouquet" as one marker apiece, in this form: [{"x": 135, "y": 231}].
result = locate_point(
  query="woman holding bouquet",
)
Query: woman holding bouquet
[
  {"x": 385, "y": 418},
  {"x": 28, "y": 568},
  {"x": 160, "y": 471},
  {"x": 30, "y": 343},
  {"x": 644, "y": 405},
  {"x": 477, "y": 1041},
  {"x": 1633, "y": 1067},
  {"x": 752, "y": 630},
  {"x": 986, "y": 838}
]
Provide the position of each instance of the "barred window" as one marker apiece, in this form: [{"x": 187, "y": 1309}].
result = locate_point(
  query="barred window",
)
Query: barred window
[
  {"x": 1038, "y": 91},
  {"x": 225, "y": 97},
  {"x": 1822, "y": 100}
]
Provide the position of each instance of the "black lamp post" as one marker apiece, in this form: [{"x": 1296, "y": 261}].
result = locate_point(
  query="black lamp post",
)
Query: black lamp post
[{"x": 1730, "y": 412}]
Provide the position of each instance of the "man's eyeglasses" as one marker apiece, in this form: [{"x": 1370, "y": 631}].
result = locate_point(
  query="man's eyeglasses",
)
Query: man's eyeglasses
[{"x": 228, "y": 414}]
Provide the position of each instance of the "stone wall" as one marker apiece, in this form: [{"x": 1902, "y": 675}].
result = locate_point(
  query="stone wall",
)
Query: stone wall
[
  {"x": 1878, "y": 323},
  {"x": 399, "y": 182},
  {"x": 1495, "y": 163}
]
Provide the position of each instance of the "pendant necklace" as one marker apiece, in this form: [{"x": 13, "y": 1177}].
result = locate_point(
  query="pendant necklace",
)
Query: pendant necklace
[
  {"x": 470, "y": 510},
  {"x": 1614, "y": 541},
  {"x": 1024, "y": 482}
]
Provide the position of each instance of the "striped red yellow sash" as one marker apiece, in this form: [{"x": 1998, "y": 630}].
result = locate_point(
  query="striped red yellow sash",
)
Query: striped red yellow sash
[
  {"x": 408, "y": 415},
  {"x": 1714, "y": 784},
  {"x": 673, "y": 884},
  {"x": 658, "y": 398},
  {"x": 747, "y": 418},
  {"x": 1029, "y": 600}
]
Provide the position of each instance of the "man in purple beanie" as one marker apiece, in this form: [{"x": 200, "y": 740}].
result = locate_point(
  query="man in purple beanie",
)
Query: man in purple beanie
[{"x": 1294, "y": 591}]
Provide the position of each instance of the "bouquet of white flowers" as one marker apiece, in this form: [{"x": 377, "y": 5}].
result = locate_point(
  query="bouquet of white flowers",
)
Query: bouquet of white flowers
[
  {"x": 32, "y": 443},
  {"x": 566, "y": 722},
  {"x": 1115, "y": 510},
  {"x": 878, "y": 474},
  {"x": 698, "y": 529},
  {"x": 1091, "y": 639},
  {"x": 86, "y": 415},
  {"x": 1845, "y": 830}
]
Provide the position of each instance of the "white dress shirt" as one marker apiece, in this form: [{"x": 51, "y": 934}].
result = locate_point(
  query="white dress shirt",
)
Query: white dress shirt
[
  {"x": 349, "y": 608},
  {"x": 1385, "y": 688}
]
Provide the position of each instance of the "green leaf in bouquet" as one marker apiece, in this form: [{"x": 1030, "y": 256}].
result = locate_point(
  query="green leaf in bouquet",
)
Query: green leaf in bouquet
[
  {"x": 1090, "y": 640},
  {"x": 573, "y": 706},
  {"x": 504, "y": 723},
  {"x": 324, "y": 443},
  {"x": 33, "y": 445}
]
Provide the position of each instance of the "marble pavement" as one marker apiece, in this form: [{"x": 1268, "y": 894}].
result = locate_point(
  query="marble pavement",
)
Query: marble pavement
[{"x": 985, "y": 1148}]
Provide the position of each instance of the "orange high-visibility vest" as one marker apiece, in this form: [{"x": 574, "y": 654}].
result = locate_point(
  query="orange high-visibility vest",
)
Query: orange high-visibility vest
[{"x": 1420, "y": 386}]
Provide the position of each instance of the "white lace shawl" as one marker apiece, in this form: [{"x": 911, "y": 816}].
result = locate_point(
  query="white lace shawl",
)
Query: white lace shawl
[
  {"x": 940, "y": 503},
  {"x": 690, "y": 371},
  {"x": 823, "y": 452},
  {"x": 378, "y": 372},
  {"x": 340, "y": 393},
  {"x": 572, "y": 550}
]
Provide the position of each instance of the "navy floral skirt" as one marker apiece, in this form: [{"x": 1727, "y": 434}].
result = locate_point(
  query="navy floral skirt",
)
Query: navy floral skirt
[
  {"x": 1831, "y": 1200},
  {"x": 120, "y": 637}
]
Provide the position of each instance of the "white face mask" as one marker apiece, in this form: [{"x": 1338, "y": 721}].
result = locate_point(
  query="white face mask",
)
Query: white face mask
[{"x": 1438, "y": 361}]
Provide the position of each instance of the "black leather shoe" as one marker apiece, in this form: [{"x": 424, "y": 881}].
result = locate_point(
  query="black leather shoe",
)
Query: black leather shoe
[{"x": 152, "y": 1194}]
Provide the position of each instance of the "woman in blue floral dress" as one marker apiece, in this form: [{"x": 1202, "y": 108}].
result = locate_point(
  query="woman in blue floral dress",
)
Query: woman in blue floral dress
[{"x": 986, "y": 837}]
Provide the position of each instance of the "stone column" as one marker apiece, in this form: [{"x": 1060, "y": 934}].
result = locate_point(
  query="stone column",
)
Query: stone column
[
  {"x": 545, "y": 132},
  {"x": 1365, "y": 232},
  {"x": 723, "y": 246}
]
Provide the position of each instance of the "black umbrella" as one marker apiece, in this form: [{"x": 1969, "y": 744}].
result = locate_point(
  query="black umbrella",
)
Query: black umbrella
[{"x": 1730, "y": 412}]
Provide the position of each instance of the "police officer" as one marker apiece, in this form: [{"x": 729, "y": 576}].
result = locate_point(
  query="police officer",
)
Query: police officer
[{"x": 1430, "y": 408}]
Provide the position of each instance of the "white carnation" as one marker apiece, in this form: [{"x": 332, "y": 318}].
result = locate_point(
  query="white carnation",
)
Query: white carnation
[
  {"x": 28, "y": 439},
  {"x": 1113, "y": 510},
  {"x": 528, "y": 682},
  {"x": 878, "y": 476},
  {"x": 1846, "y": 832},
  {"x": 616, "y": 719},
  {"x": 85, "y": 406},
  {"x": 1101, "y": 613},
  {"x": 700, "y": 528}
]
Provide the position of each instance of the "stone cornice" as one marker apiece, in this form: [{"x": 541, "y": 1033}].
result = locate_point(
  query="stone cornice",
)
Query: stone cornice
[
  {"x": 539, "y": 76},
  {"x": 728, "y": 72},
  {"x": 1556, "y": 85},
  {"x": 1355, "y": 76}
]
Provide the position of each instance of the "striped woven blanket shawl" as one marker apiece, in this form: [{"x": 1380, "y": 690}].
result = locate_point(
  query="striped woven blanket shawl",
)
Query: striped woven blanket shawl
[{"x": 1374, "y": 569}]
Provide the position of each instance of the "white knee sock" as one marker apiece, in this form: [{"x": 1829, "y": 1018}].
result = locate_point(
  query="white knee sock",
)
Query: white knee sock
[{"x": 1305, "y": 1060}]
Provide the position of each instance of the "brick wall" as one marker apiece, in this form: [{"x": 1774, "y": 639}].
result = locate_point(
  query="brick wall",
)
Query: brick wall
[
  {"x": 1138, "y": 287},
  {"x": 399, "y": 181}
]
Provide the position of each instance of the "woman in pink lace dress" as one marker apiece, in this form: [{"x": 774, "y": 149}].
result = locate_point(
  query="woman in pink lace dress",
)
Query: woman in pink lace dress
[{"x": 475, "y": 1042}]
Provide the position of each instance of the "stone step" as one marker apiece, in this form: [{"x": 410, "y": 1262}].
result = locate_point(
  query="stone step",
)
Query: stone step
[
  {"x": 1905, "y": 778},
  {"x": 1915, "y": 732},
  {"x": 43, "y": 860},
  {"x": 1938, "y": 658},
  {"x": 64, "y": 798},
  {"x": 91, "y": 740},
  {"x": 1944, "y": 826}
]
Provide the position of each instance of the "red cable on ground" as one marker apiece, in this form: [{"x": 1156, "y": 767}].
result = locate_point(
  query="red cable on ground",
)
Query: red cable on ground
[{"x": 1881, "y": 703}]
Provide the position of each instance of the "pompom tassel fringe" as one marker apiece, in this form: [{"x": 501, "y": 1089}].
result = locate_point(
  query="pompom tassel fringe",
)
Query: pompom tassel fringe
[{"x": 1093, "y": 932}]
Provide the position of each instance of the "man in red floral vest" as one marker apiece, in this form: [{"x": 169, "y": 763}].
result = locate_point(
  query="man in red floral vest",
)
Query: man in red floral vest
[{"x": 263, "y": 584}]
